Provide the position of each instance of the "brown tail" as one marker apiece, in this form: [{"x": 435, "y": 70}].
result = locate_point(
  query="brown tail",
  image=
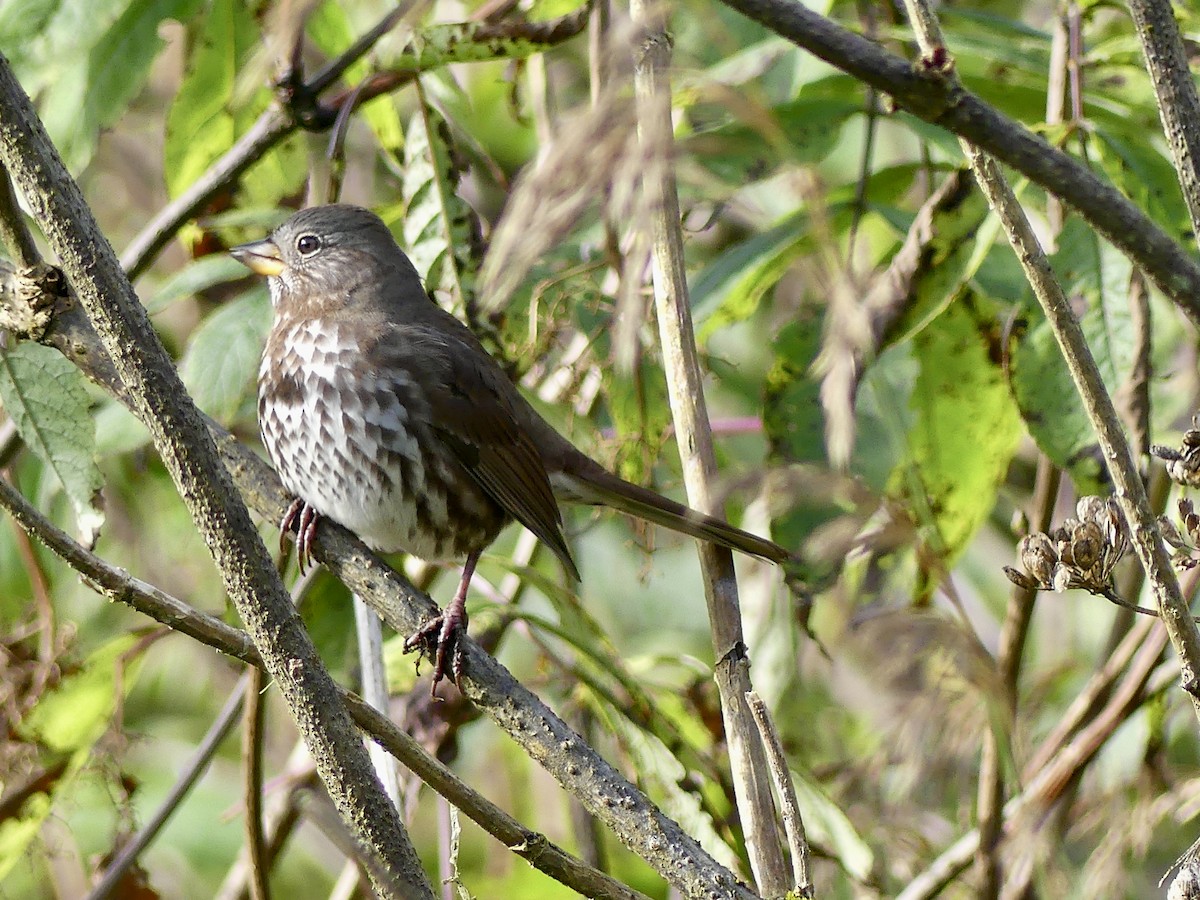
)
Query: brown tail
[{"x": 598, "y": 487}]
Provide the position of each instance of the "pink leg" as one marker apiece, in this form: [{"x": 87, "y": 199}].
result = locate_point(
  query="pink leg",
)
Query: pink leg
[{"x": 442, "y": 634}]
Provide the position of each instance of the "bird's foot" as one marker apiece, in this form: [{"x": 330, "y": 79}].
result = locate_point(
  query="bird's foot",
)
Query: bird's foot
[
  {"x": 302, "y": 519},
  {"x": 441, "y": 638}
]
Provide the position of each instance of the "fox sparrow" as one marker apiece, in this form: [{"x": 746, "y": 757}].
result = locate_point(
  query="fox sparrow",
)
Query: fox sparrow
[{"x": 383, "y": 412}]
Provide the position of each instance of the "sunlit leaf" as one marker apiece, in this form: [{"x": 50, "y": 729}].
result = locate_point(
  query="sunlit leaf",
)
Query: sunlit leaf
[
  {"x": 95, "y": 82},
  {"x": 965, "y": 426},
  {"x": 221, "y": 361},
  {"x": 43, "y": 393}
]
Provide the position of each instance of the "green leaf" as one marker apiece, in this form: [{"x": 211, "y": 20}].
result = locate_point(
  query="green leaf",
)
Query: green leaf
[
  {"x": 96, "y": 82},
  {"x": 439, "y": 227},
  {"x": 198, "y": 275},
  {"x": 825, "y": 824},
  {"x": 965, "y": 428},
  {"x": 730, "y": 288},
  {"x": 118, "y": 430},
  {"x": 329, "y": 28},
  {"x": 1096, "y": 277},
  {"x": 45, "y": 397},
  {"x": 77, "y": 712},
  {"x": 1139, "y": 170},
  {"x": 207, "y": 116},
  {"x": 803, "y": 130},
  {"x": 221, "y": 361},
  {"x": 69, "y": 720}
]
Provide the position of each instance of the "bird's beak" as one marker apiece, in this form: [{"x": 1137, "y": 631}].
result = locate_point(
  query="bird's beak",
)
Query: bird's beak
[{"x": 261, "y": 257}]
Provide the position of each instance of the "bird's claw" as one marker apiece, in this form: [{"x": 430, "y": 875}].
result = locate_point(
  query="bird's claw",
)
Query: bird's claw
[
  {"x": 302, "y": 519},
  {"x": 441, "y": 638}
]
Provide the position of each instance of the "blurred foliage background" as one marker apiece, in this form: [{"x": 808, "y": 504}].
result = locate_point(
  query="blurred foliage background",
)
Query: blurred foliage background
[{"x": 893, "y": 440}]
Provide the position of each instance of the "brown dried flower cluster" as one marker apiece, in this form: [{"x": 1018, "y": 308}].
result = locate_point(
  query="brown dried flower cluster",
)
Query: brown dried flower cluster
[
  {"x": 1183, "y": 465},
  {"x": 1080, "y": 553},
  {"x": 1184, "y": 541}
]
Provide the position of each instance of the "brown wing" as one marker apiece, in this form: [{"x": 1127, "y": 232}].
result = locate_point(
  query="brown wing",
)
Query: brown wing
[{"x": 471, "y": 406}]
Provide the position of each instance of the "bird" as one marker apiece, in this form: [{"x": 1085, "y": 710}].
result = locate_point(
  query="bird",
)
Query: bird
[{"x": 383, "y": 412}]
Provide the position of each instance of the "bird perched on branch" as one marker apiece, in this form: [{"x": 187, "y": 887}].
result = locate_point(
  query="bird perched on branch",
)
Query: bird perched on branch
[{"x": 383, "y": 412}]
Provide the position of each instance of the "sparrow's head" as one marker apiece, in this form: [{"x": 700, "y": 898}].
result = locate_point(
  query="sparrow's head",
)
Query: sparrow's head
[{"x": 324, "y": 255}]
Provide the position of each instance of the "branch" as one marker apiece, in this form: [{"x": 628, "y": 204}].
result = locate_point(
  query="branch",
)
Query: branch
[
  {"x": 188, "y": 453},
  {"x": 1122, "y": 468},
  {"x": 1178, "y": 104},
  {"x": 946, "y": 104},
  {"x": 751, "y": 774},
  {"x": 116, "y": 584},
  {"x": 439, "y": 46}
]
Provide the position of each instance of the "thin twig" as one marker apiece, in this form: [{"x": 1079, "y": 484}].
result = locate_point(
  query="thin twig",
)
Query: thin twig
[
  {"x": 252, "y": 780},
  {"x": 445, "y": 44},
  {"x": 793, "y": 824},
  {"x": 195, "y": 767},
  {"x": 486, "y": 683},
  {"x": 751, "y": 780},
  {"x": 1047, "y": 784},
  {"x": 1175, "y": 90},
  {"x": 1130, "y": 492},
  {"x": 1008, "y": 665}
]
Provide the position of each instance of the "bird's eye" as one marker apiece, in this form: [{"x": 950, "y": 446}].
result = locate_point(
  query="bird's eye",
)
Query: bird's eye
[{"x": 308, "y": 244}]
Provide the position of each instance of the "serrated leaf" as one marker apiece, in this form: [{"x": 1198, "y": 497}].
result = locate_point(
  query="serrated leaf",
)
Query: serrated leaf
[
  {"x": 439, "y": 232},
  {"x": 95, "y": 82},
  {"x": 965, "y": 428},
  {"x": 222, "y": 358},
  {"x": 1093, "y": 273},
  {"x": 45, "y": 397}
]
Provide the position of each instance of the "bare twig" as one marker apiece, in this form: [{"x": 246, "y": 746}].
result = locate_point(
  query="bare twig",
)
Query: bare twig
[
  {"x": 252, "y": 766},
  {"x": 1175, "y": 91},
  {"x": 1047, "y": 784},
  {"x": 491, "y": 687},
  {"x": 544, "y": 855},
  {"x": 989, "y": 805},
  {"x": 793, "y": 824},
  {"x": 195, "y": 767},
  {"x": 443, "y": 44},
  {"x": 684, "y": 384},
  {"x": 1130, "y": 492}
]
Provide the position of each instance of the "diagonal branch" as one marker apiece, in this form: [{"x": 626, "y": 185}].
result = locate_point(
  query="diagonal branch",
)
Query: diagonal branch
[
  {"x": 188, "y": 453},
  {"x": 946, "y": 104}
]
